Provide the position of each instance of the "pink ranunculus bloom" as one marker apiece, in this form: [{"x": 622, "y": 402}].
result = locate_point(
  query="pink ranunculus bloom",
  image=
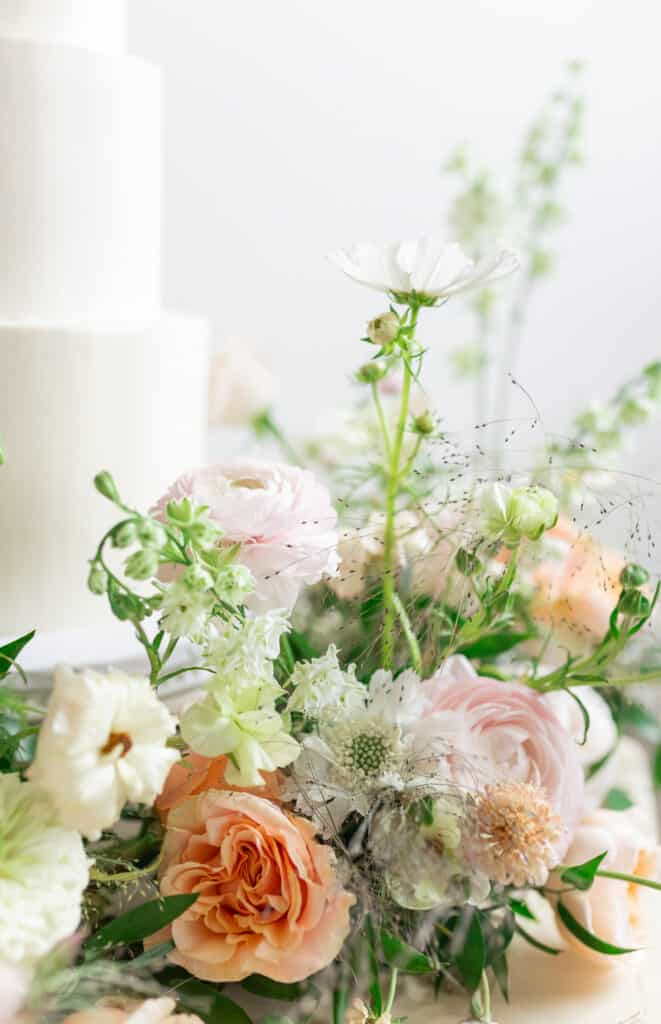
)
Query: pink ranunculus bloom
[
  {"x": 121, "y": 1011},
  {"x": 610, "y": 909},
  {"x": 280, "y": 514},
  {"x": 521, "y": 736},
  {"x": 269, "y": 901}
]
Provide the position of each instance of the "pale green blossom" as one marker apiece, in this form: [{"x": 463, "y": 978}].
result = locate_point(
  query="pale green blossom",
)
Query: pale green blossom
[
  {"x": 185, "y": 611},
  {"x": 512, "y": 514},
  {"x": 321, "y": 685}
]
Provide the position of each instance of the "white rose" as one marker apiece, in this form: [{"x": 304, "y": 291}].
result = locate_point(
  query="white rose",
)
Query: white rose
[
  {"x": 43, "y": 874},
  {"x": 102, "y": 743}
]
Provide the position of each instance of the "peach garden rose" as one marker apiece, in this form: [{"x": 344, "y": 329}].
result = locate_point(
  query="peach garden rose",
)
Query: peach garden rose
[
  {"x": 195, "y": 774},
  {"x": 269, "y": 900},
  {"x": 120, "y": 1011}
]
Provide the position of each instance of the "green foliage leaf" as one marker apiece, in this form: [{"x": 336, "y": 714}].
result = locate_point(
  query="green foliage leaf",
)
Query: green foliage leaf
[
  {"x": 618, "y": 799},
  {"x": 656, "y": 767},
  {"x": 471, "y": 956},
  {"x": 582, "y": 876},
  {"x": 268, "y": 989},
  {"x": 637, "y": 719},
  {"x": 586, "y": 937},
  {"x": 10, "y": 652},
  {"x": 522, "y": 909},
  {"x": 397, "y": 953},
  {"x": 137, "y": 924},
  {"x": 225, "y": 1011},
  {"x": 493, "y": 644},
  {"x": 532, "y": 941}
]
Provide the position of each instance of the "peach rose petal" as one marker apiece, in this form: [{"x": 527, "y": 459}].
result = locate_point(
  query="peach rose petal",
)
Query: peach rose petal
[{"x": 269, "y": 902}]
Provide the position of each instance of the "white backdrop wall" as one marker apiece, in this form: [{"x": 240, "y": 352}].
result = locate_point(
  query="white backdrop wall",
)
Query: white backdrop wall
[{"x": 297, "y": 126}]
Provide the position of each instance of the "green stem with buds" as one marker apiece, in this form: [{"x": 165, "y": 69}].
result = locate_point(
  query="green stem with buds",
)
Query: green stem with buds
[{"x": 394, "y": 476}]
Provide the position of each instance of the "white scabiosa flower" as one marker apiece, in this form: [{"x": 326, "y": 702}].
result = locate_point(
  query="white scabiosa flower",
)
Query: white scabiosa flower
[
  {"x": 43, "y": 873},
  {"x": 102, "y": 743},
  {"x": 428, "y": 269}
]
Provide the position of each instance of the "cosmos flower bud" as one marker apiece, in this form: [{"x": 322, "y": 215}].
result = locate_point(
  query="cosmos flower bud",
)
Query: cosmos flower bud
[
  {"x": 383, "y": 330},
  {"x": 423, "y": 424},
  {"x": 372, "y": 372},
  {"x": 634, "y": 575}
]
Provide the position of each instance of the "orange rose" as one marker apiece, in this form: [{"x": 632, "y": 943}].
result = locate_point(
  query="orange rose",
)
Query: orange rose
[
  {"x": 153, "y": 1011},
  {"x": 195, "y": 774},
  {"x": 269, "y": 901}
]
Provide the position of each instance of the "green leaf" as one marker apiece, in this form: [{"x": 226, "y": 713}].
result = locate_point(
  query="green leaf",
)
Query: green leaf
[
  {"x": 617, "y": 799},
  {"x": 155, "y": 953},
  {"x": 496, "y": 643},
  {"x": 536, "y": 943},
  {"x": 584, "y": 712},
  {"x": 656, "y": 767},
  {"x": 586, "y": 937},
  {"x": 470, "y": 958},
  {"x": 10, "y": 652},
  {"x": 137, "y": 924},
  {"x": 500, "y": 969},
  {"x": 225, "y": 1011},
  {"x": 268, "y": 989},
  {"x": 582, "y": 876},
  {"x": 521, "y": 909},
  {"x": 639, "y": 720},
  {"x": 397, "y": 953}
]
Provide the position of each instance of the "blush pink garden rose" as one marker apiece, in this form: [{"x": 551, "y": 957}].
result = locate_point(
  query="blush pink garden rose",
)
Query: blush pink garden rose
[
  {"x": 611, "y": 909},
  {"x": 521, "y": 736},
  {"x": 269, "y": 901},
  {"x": 281, "y": 515},
  {"x": 121, "y": 1011}
]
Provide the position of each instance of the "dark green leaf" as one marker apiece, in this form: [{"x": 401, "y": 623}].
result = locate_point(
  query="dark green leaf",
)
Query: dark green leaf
[
  {"x": 376, "y": 996},
  {"x": 584, "y": 712},
  {"x": 137, "y": 924},
  {"x": 617, "y": 799},
  {"x": 496, "y": 643},
  {"x": 582, "y": 876},
  {"x": 397, "y": 953},
  {"x": 268, "y": 989},
  {"x": 656, "y": 767},
  {"x": 586, "y": 937},
  {"x": 225, "y": 1011},
  {"x": 155, "y": 953},
  {"x": 10, "y": 652},
  {"x": 637, "y": 719},
  {"x": 500, "y": 969},
  {"x": 521, "y": 909},
  {"x": 470, "y": 956},
  {"x": 536, "y": 943}
]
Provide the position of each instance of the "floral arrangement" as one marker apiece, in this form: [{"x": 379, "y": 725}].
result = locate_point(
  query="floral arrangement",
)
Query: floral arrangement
[{"x": 397, "y": 732}]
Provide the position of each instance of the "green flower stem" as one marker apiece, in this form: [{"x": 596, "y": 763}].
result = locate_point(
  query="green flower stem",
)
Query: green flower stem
[
  {"x": 647, "y": 883},
  {"x": 378, "y": 405},
  {"x": 121, "y": 877},
  {"x": 394, "y": 476},
  {"x": 392, "y": 990},
  {"x": 411, "y": 639},
  {"x": 481, "y": 1001},
  {"x": 264, "y": 424}
]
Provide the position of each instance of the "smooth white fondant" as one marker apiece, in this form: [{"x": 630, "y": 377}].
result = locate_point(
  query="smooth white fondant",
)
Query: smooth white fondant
[
  {"x": 72, "y": 402},
  {"x": 80, "y": 185},
  {"x": 97, "y": 24}
]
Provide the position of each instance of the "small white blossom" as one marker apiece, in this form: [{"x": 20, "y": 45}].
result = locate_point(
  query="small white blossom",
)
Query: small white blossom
[
  {"x": 185, "y": 611},
  {"x": 43, "y": 873},
  {"x": 428, "y": 268},
  {"x": 321, "y": 685},
  {"x": 102, "y": 743}
]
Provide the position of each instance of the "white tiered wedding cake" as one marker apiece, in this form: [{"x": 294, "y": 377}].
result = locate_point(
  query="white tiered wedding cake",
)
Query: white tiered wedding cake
[{"x": 93, "y": 374}]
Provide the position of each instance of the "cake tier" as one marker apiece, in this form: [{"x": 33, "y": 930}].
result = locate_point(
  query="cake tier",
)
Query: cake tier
[
  {"x": 73, "y": 401},
  {"x": 80, "y": 193},
  {"x": 97, "y": 24}
]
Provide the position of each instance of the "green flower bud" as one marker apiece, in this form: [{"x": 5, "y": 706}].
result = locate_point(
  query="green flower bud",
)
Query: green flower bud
[
  {"x": 124, "y": 535},
  {"x": 234, "y": 583},
  {"x": 2, "y": 455},
  {"x": 97, "y": 581},
  {"x": 512, "y": 514},
  {"x": 467, "y": 563},
  {"x": 151, "y": 534},
  {"x": 197, "y": 578},
  {"x": 633, "y": 602},
  {"x": 372, "y": 372},
  {"x": 423, "y": 424},
  {"x": 383, "y": 330},
  {"x": 106, "y": 486},
  {"x": 180, "y": 513},
  {"x": 634, "y": 575},
  {"x": 142, "y": 565},
  {"x": 204, "y": 534}
]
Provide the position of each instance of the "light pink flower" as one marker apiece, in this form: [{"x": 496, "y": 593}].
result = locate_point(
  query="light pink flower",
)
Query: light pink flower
[
  {"x": 281, "y": 515},
  {"x": 520, "y": 733},
  {"x": 611, "y": 908},
  {"x": 269, "y": 901},
  {"x": 120, "y": 1011},
  {"x": 240, "y": 386}
]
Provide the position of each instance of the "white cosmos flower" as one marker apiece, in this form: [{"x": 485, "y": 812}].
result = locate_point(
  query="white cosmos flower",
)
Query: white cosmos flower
[
  {"x": 430, "y": 268},
  {"x": 102, "y": 743},
  {"x": 43, "y": 874}
]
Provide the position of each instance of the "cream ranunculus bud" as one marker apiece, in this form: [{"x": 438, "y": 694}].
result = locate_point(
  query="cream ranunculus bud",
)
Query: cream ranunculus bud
[
  {"x": 512, "y": 514},
  {"x": 383, "y": 330}
]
